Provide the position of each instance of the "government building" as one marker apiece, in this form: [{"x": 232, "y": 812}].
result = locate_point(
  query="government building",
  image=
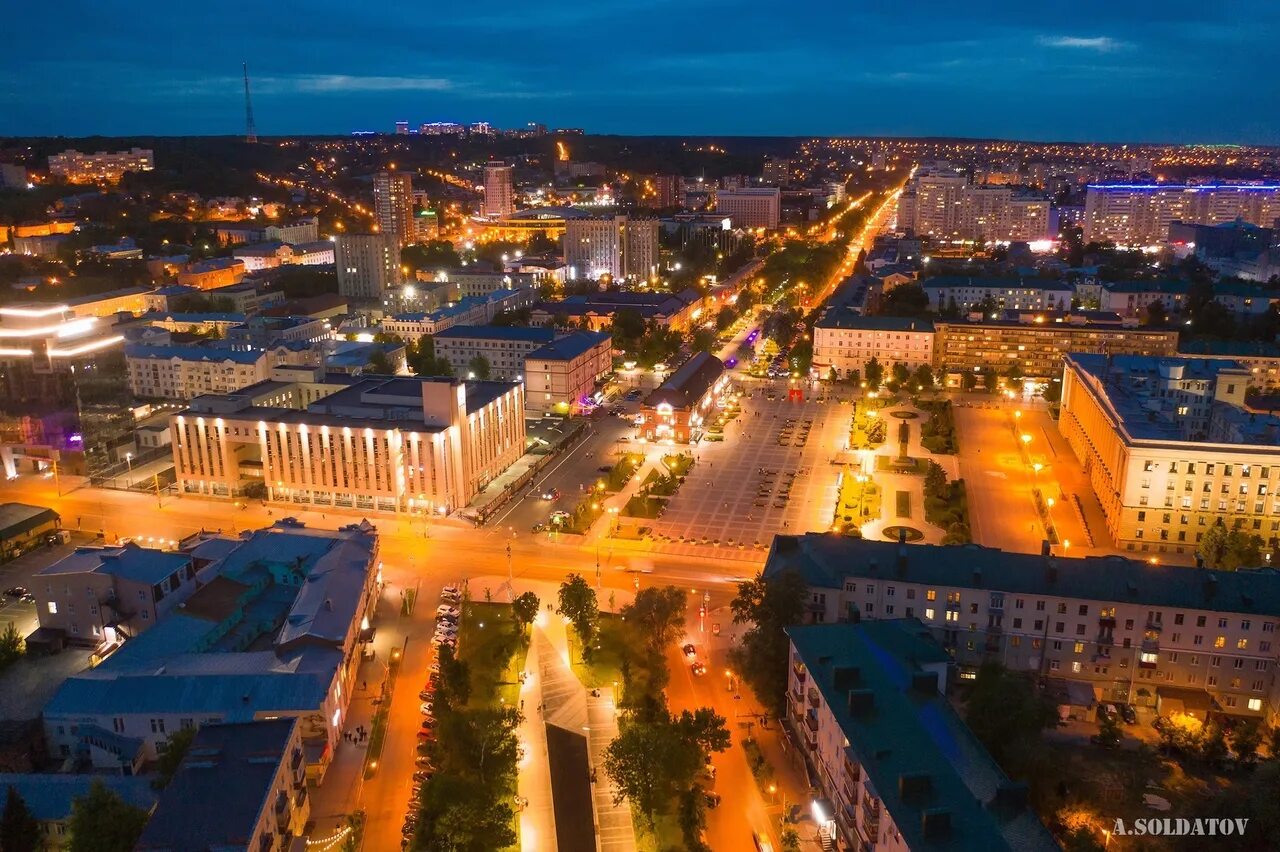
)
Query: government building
[
  {"x": 1171, "y": 447},
  {"x": 370, "y": 443}
]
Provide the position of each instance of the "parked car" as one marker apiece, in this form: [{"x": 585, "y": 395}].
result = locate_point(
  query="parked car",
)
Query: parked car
[
  {"x": 1104, "y": 742},
  {"x": 426, "y": 708},
  {"x": 15, "y": 592},
  {"x": 1129, "y": 713}
]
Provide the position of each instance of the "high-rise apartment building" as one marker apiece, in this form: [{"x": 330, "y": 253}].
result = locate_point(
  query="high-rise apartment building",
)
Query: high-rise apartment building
[
  {"x": 368, "y": 264},
  {"x": 941, "y": 203},
  {"x": 617, "y": 246},
  {"x": 393, "y": 205},
  {"x": 402, "y": 128},
  {"x": 1141, "y": 215},
  {"x": 499, "y": 191},
  {"x": 751, "y": 207}
]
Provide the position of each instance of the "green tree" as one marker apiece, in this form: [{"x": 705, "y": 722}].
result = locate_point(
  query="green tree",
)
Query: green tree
[
  {"x": 873, "y": 373},
  {"x": 901, "y": 373},
  {"x": 479, "y": 368},
  {"x": 703, "y": 728},
  {"x": 167, "y": 766},
  {"x": 935, "y": 481},
  {"x": 922, "y": 378},
  {"x": 1213, "y": 744},
  {"x": 101, "y": 821},
  {"x": 657, "y": 615},
  {"x": 19, "y": 828},
  {"x": 577, "y": 602},
  {"x": 725, "y": 318},
  {"x": 11, "y": 646},
  {"x": 525, "y": 609},
  {"x": 461, "y": 814},
  {"x": 769, "y": 605},
  {"x": 379, "y": 363},
  {"x": 1007, "y": 714},
  {"x": 692, "y": 816},
  {"x": 703, "y": 340},
  {"x": 1156, "y": 313},
  {"x": 1245, "y": 740},
  {"x": 455, "y": 679},
  {"x": 790, "y": 838},
  {"x": 1213, "y": 546}
]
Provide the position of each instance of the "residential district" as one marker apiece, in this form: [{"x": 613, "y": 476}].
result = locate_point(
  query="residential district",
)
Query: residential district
[{"x": 473, "y": 489}]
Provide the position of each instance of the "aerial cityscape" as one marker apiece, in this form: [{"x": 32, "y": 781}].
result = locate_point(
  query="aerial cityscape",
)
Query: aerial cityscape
[{"x": 642, "y": 454}]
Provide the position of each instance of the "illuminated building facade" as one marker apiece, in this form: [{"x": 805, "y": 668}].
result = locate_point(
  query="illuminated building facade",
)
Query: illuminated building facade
[
  {"x": 371, "y": 443},
  {"x": 76, "y": 167},
  {"x": 1137, "y": 215},
  {"x": 677, "y": 411},
  {"x": 1171, "y": 449},
  {"x": 499, "y": 191},
  {"x": 393, "y": 205}
]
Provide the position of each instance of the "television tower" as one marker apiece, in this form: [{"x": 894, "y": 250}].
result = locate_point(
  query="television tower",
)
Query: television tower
[{"x": 250, "y": 132}]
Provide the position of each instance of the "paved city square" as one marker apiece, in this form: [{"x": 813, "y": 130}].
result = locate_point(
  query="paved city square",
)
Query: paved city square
[{"x": 774, "y": 472}]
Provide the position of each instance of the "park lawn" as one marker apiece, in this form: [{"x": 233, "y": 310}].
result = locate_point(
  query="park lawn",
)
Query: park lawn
[
  {"x": 494, "y": 650},
  {"x": 679, "y": 464},
  {"x": 664, "y": 836},
  {"x": 604, "y": 669},
  {"x": 850, "y": 491}
]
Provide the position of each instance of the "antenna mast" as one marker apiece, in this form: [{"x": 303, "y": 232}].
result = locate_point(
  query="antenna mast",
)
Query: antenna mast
[{"x": 250, "y": 132}]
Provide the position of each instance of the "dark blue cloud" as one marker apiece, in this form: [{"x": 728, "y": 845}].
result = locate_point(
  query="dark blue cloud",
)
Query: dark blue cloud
[{"x": 1143, "y": 70}]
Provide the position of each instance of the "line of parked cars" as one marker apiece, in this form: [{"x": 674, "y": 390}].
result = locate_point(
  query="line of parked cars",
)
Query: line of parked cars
[{"x": 447, "y": 615}]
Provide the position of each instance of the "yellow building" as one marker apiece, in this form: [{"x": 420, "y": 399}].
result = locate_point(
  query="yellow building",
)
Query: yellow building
[{"x": 1170, "y": 448}]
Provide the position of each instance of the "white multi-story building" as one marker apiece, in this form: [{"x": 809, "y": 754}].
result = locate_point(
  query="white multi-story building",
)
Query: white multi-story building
[
  {"x": 503, "y": 347},
  {"x": 618, "y": 246},
  {"x": 844, "y": 342},
  {"x": 368, "y": 264},
  {"x": 76, "y": 167},
  {"x": 499, "y": 191},
  {"x": 897, "y": 768},
  {"x": 1158, "y": 636},
  {"x": 751, "y": 207},
  {"x": 560, "y": 377},
  {"x": 472, "y": 310},
  {"x": 1171, "y": 448},
  {"x": 1006, "y": 293},
  {"x": 185, "y": 372},
  {"x": 1134, "y": 215},
  {"x": 372, "y": 443},
  {"x": 393, "y": 205}
]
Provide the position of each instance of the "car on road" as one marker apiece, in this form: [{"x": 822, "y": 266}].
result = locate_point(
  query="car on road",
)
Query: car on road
[
  {"x": 551, "y": 494},
  {"x": 604, "y": 468},
  {"x": 538, "y": 527},
  {"x": 16, "y": 592},
  {"x": 633, "y": 395},
  {"x": 559, "y": 517},
  {"x": 690, "y": 652},
  {"x": 699, "y": 669}
]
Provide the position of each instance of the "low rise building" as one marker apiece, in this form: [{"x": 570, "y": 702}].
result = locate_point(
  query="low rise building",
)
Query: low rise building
[
  {"x": 272, "y": 632},
  {"x": 1133, "y": 631},
  {"x": 101, "y": 596},
  {"x": 373, "y": 443},
  {"x": 468, "y": 311},
  {"x": 844, "y": 341},
  {"x": 895, "y": 765},
  {"x": 239, "y": 786},
  {"x": 212, "y": 273},
  {"x": 50, "y": 797},
  {"x": 560, "y": 377},
  {"x": 964, "y": 293},
  {"x": 248, "y": 297},
  {"x": 24, "y": 527},
  {"x": 263, "y": 255},
  {"x": 597, "y": 310},
  {"x": 1171, "y": 448},
  {"x": 751, "y": 207},
  {"x": 677, "y": 411}
]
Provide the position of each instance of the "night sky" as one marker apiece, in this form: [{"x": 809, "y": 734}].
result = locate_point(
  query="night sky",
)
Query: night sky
[{"x": 1120, "y": 70}]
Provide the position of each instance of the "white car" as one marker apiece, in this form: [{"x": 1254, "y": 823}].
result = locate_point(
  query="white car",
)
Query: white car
[{"x": 445, "y": 609}]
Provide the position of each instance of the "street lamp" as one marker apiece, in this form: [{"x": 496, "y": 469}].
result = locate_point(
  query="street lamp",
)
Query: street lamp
[
  {"x": 128, "y": 458},
  {"x": 1026, "y": 439}
]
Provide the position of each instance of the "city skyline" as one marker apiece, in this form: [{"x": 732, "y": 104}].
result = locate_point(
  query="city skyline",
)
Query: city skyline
[{"x": 1107, "y": 74}]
